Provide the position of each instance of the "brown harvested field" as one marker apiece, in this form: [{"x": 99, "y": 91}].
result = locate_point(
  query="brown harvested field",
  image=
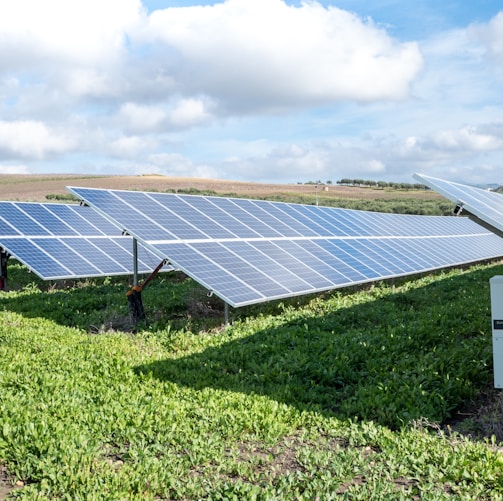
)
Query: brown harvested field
[{"x": 37, "y": 187}]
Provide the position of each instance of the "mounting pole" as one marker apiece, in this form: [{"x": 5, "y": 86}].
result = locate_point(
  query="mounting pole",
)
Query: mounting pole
[
  {"x": 3, "y": 269},
  {"x": 135, "y": 261},
  {"x": 226, "y": 313}
]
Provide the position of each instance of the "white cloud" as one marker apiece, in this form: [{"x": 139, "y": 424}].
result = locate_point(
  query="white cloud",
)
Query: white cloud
[
  {"x": 294, "y": 162},
  {"x": 67, "y": 49},
  {"x": 389, "y": 157},
  {"x": 130, "y": 146},
  {"x": 174, "y": 164},
  {"x": 30, "y": 139},
  {"x": 88, "y": 82},
  {"x": 490, "y": 35},
  {"x": 182, "y": 113},
  {"x": 376, "y": 166},
  {"x": 467, "y": 138},
  {"x": 14, "y": 169},
  {"x": 446, "y": 144},
  {"x": 142, "y": 118},
  {"x": 72, "y": 31},
  {"x": 188, "y": 112},
  {"x": 265, "y": 52}
]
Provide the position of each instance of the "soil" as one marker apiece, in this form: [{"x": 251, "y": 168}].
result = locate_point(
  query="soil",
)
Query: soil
[{"x": 7, "y": 484}]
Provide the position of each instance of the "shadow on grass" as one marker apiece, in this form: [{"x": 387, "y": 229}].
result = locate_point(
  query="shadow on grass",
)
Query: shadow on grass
[
  {"x": 100, "y": 304},
  {"x": 396, "y": 358},
  {"x": 72, "y": 307}
]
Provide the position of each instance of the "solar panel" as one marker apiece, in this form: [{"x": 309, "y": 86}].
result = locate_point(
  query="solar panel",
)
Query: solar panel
[
  {"x": 59, "y": 241},
  {"x": 484, "y": 204},
  {"x": 249, "y": 251}
]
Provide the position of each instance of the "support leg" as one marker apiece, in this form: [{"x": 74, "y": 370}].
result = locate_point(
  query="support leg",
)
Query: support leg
[
  {"x": 3, "y": 269},
  {"x": 226, "y": 314}
]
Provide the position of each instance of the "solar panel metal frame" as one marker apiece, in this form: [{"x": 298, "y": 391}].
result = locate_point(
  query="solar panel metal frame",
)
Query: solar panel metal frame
[
  {"x": 45, "y": 237},
  {"x": 209, "y": 239},
  {"x": 485, "y": 205}
]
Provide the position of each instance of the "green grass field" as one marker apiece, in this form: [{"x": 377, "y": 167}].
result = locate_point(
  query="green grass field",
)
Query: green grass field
[{"x": 341, "y": 396}]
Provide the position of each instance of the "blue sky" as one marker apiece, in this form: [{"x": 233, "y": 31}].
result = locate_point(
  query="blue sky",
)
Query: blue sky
[{"x": 253, "y": 90}]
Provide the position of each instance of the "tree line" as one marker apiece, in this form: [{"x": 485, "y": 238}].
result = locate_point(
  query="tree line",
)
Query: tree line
[
  {"x": 372, "y": 184},
  {"x": 381, "y": 184}
]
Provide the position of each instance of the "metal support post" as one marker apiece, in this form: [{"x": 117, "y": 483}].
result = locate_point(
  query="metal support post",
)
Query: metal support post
[
  {"x": 3, "y": 269},
  {"x": 135, "y": 261},
  {"x": 226, "y": 313}
]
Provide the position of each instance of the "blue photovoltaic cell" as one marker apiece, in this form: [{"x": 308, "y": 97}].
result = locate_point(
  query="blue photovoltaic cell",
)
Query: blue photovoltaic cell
[
  {"x": 231, "y": 223},
  {"x": 407, "y": 261},
  {"x": 35, "y": 257},
  {"x": 185, "y": 213},
  {"x": 59, "y": 241},
  {"x": 7, "y": 229},
  {"x": 486, "y": 205},
  {"x": 242, "y": 269},
  {"x": 179, "y": 227},
  {"x": 315, "y": 227},
  {"x": 326, "y": 219},
  {"x": 73, "y": 260},
  {"x": 52, "y": 223},
  {"x": 210, "y": 273},
  {"x": 304, "y": 251},
  {"x": 236, "y": 208},
  {"x": 262, "y": 212},
  {"x": 254, "y": 252},
  {"x": 18, "y": 218},
  {"x": 248, "y": 251},
  {"x": 281, "y": 213},
  {"x": 91, "y": 225}
]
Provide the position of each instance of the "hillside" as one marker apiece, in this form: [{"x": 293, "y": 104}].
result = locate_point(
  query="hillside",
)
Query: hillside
[{"x": 37, "y": 187}]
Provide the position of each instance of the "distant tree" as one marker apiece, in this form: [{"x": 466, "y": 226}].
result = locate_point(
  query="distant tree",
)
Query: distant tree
[
  {"x": 382, "y": 184},
  {"x": 345, "y": 182}
]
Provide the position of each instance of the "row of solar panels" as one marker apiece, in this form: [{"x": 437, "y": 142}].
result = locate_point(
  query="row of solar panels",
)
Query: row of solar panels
[
  {"x": 58, "y": 241},
  {"x": 249, "y": 251},
  {"x": 486, "y": 205},
  {"x": 244, "y": 251}
]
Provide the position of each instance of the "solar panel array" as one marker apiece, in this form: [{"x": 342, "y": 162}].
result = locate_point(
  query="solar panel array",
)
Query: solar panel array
[
  {"x": 486, "y": 205},
  {"x": 249, "y": 251},
  {"x": 59, "y": 241}
]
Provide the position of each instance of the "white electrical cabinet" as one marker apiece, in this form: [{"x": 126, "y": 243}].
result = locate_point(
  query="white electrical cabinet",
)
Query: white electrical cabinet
[{"x": 496, "y": 285}]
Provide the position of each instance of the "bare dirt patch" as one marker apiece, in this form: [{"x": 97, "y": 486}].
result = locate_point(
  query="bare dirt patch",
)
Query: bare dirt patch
[
  {"x": 481, "y": 418},
  {"x": 7, "y": 484},
  {"x": 37, "y": 187}
]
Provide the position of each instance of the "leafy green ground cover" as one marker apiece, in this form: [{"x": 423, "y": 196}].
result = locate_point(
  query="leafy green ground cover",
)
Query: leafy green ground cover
[{"x": 340, "y": 396}]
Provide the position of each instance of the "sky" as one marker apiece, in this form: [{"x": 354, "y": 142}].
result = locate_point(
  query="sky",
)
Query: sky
[{"x": 275, "y": 91}]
